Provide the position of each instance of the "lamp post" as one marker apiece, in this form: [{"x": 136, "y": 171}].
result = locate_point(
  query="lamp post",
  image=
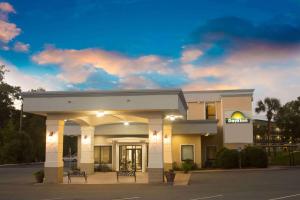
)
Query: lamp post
[
  {"x": 240, "y": 157},
  {"x": 21, "y": 117}
]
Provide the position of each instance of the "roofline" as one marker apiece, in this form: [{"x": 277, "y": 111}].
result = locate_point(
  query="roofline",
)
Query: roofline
[
  {"x": 97, "y": 93},
  {"x": 221, "y": 91}
]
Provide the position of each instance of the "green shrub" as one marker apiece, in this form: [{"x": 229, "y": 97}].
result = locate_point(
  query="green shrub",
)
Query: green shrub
[
  {"x": 175, "y": 166},
  {"x": 39, "y": 176},
  {"x": 187, "y": 166},
  {"x": 254, "y": 157},
  {"x": 227, "y": 158}
]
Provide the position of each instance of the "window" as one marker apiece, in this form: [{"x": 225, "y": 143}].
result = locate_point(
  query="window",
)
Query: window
[
  {"x": 210, "y": 110},
  {"x": 103, "y": 154},
  {"x": 187, "y": 152}
]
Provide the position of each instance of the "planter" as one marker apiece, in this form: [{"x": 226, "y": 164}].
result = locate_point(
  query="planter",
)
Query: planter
[
  {"x": 170, "y": 176},
  {"x": 39, "y": 176}
]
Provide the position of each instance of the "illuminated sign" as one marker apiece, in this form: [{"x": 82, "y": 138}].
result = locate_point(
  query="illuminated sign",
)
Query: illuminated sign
[{"x": 237, "y": 117}]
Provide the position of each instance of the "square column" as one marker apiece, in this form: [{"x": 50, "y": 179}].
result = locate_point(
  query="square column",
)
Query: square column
[
  {"x": 168, "y": 161},
  {"x": 87, "y": 149},
  {"x": 155, "y": 154},
  {"x": 53, "y": 166}
]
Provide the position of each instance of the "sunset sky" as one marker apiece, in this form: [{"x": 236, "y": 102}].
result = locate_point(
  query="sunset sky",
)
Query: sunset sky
[{"x": 127, "y": 44}]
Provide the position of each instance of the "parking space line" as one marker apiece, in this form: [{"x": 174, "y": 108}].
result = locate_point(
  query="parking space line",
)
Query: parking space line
[
  {"x": 208, "y": 197},
  {"x": 285, "y": 197},
  {"x": 127, "y": 198}
]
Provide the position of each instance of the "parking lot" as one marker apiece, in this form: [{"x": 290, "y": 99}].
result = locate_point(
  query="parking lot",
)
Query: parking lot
[{"x": 17, "y": 183}]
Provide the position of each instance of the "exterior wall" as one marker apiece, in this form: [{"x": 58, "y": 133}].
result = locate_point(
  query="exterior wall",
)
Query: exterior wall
[
  {"x": 196, "y": 111},
  {"x": 237, "y": 135},
  {"x": 178, "y": 140}
]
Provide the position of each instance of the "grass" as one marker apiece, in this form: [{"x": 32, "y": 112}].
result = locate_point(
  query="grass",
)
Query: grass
[{"x": 282, "y": 158}]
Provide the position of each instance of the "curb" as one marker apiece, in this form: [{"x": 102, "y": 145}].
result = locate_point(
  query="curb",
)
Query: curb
[
  {"x": 249, "y": 169},
  {"x": 20, "y": 164}
]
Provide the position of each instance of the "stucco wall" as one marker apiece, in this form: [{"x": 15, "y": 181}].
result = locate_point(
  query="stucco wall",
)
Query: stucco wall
[
  {"x": 178, "y": 140},
  {"x": 196, "y": 111},
  {"x": 237, "y": 133}
]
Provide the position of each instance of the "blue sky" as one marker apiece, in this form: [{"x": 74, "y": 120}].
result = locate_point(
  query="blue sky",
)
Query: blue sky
[{"x": 116, "y": 44}]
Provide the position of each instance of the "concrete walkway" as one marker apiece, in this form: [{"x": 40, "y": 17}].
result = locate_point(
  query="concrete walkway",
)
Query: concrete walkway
[
  {"x": 111, "y": 178},
  {"x": 108, "y": 178}
]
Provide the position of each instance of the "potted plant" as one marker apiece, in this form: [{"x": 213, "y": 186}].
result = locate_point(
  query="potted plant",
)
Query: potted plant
[
  {"x": 187, "y": 166},
  {"x": 39, "y": 176},
  {"x": 170, "y": 176}
]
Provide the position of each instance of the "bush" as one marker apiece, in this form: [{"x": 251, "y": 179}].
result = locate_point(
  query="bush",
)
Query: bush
[
  {"x": 227, "y": 158},
  {"x": 187, "y": 165},
  {"x": 39, "y": 176},
  {"x": 254, "y": 157},
  {"x": 175, "y": 166}
]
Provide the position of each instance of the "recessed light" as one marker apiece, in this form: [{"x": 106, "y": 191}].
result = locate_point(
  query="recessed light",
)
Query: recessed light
[{"x": 100, "y": 114}]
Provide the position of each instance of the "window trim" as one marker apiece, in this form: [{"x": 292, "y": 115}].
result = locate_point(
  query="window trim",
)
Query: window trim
[{"x": 194, "y": 153}]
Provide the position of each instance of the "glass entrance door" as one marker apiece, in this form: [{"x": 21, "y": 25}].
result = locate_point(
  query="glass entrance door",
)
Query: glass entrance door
[{"x": 130, "y": 158}]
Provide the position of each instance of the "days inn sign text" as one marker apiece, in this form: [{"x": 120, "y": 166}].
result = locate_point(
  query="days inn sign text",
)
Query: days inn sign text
[{"x": 237, "y": 117}]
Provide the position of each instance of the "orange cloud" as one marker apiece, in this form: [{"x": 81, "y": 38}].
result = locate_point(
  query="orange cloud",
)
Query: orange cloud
[
  {"x": 6, "y": 7},
  {"x": 190, "y": 55},
  {"x": 76, "y": 65},
  {"x": 21, "y": 47},
  {"x": 273, "y": 72},
  {"x": 8, "y": 31}
]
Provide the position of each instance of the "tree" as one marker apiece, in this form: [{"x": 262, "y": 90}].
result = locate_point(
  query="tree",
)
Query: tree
[
  {"x": 18, "y": 145},
  {"x": 288, "y": 119},
  {"x": 270, "y": 106},
  {"x": 8, "y": 95}
]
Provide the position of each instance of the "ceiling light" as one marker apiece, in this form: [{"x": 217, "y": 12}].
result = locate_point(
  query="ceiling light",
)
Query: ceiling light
[
  {"x": 126, "y": 123},
  {"x": 100, "y": 114},
  {"x": 173, "y": 117}
]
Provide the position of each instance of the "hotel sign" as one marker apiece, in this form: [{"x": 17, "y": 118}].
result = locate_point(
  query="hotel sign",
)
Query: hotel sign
[{"x": 237, "y": 117}]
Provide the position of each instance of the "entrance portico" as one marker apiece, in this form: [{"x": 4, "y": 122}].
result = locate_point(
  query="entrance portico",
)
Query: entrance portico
[{"x": 100, "y": 111}]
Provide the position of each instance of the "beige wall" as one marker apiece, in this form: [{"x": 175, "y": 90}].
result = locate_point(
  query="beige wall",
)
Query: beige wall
[
  {"x": 196, "y": 111},
  {"x": 178, "y": 140},
  {"x": 236, "y": 134},
  {"x": 236, "y": 102}
]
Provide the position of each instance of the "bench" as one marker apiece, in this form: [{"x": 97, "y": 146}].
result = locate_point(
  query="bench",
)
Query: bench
[
  {"x": 126, "y": 173},
  {"x": 77, "y": 173}
]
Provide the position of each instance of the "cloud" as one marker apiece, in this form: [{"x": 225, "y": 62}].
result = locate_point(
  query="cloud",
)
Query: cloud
[
  {"x": 27, "y": 82},
  {"x": 272, "y": 73},
  {"x": 21, "y": 47},
  {"x": 77, "y": 65},
  {"x": 189, "y": 55},
  {"x": 8, "y": 31},
  {"x": 5, "y": 9},
  {"x": 240, "y": 54},
  {"x": 133, "y": 82},
  {"x": 225, "y": 53}
]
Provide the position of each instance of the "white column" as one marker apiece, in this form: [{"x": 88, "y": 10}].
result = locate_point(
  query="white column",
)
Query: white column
[
  {"x": 117, "y": 157},
  {"x": 87, "y": 149},
  {"x": 155, "y": 154},
  {"x": 144, "y": 157},
  {"x": 54, "y": 151},
  {"x": 168, "y": 147}
]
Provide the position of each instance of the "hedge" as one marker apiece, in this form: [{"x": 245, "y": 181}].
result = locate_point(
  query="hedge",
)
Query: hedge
[
  {"x": 227, "y": 158},
  {"x": 254, "y": 157},
  {"x": 250, "y": 157}
]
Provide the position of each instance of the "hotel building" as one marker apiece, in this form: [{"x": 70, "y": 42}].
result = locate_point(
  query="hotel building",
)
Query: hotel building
[{"x": 142, "y": 130}]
